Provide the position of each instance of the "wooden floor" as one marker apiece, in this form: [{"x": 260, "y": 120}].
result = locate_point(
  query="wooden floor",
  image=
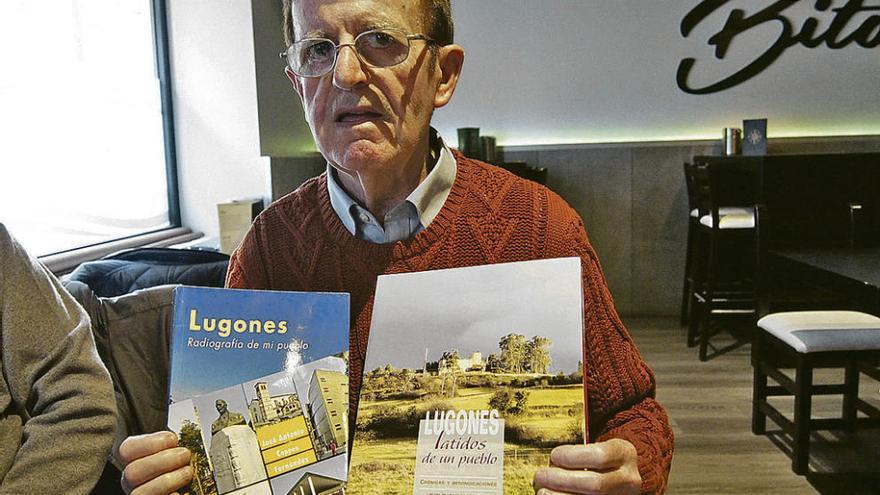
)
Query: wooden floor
[{"x": 709, "y": 405}]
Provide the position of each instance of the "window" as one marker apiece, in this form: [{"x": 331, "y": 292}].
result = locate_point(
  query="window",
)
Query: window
[{"x": 88, "y": 151}]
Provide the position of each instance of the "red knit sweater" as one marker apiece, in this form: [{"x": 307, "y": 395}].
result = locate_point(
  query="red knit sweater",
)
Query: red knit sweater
[{"x": 491, "y": 216}]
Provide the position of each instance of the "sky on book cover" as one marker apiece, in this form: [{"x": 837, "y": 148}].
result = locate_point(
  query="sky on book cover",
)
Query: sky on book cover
[
  {"x": 471, "y": 308},
  {"x": 320, "y": 320}
]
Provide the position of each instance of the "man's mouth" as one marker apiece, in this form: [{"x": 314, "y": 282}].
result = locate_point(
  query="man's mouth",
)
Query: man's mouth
[{"x": 358, "y": 117}]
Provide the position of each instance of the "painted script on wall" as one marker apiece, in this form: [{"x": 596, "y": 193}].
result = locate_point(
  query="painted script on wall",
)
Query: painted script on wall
[{"x": 835, "y": 37}]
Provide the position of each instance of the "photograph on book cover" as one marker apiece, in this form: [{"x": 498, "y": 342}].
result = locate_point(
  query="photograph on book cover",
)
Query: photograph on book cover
[
  {"x": 259, "y": 390},
  {"x": 472, "y": 375},
  {"x": 279, "y": 434}
]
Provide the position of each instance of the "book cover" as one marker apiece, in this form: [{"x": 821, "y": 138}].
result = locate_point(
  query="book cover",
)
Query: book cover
[
  {"x": 754, "y": 137},
  {"x": 471, "y": 377},
  {"x": 259, "y": 390}
]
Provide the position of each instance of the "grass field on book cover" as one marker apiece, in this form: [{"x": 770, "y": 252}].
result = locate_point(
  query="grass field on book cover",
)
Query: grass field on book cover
[
  {"x": 259, "y": 389},
  {"x": 472, "y": 376}
]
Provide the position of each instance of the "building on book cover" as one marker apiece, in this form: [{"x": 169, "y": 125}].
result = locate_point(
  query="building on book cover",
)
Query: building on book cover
[
  {"x": 259, "y": 390},
  {"x": 471, "y": 377}
]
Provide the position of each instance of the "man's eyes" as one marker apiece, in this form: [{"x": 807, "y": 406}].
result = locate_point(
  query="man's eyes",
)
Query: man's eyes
[
  {"x": 320, "y": 50},
  {"x": 379, "y": 39}
]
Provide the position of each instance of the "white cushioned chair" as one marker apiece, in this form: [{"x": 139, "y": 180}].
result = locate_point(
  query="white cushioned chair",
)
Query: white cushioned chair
[
  {"x": 731, "y": 217},
  {"x": 806, "y": 340}
]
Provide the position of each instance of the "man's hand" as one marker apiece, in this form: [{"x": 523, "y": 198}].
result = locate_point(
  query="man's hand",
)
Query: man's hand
[
  {"x": 154, "y": 464},
  {"x": 605, "y": 467}
]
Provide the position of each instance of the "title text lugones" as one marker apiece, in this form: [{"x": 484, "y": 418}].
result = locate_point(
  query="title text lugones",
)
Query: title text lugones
[
  {"x": 462, "y": 422},
  {"x": 226, "y": 326}
]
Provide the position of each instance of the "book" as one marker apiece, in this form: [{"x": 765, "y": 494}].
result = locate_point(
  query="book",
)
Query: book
[
  {"x": 755, "y": 137},
  {"x": 471, "y": 377},
  {"x": 259, "y": 390}
]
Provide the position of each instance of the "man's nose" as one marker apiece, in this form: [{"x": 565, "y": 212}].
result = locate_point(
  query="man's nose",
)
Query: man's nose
[{"x": 349, "y": 71}]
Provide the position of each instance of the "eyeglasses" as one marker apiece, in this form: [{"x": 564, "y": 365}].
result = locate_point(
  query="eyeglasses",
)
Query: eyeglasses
[{"x": 314, "y": 57}]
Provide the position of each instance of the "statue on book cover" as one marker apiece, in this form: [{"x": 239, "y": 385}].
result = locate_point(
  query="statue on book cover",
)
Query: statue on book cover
[{"x": 226, "y": 418}]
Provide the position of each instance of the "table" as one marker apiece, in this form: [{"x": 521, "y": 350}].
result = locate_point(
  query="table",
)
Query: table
[{"x": 854, "y": 272}]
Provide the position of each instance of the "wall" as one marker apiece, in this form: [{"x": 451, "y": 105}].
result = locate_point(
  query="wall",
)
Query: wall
[
  {"x": 586, "y": 71},
  {"x": 599, "y": 71},
  {"x": 215, "y": 108},
  {"x": 283, "y": 129}
]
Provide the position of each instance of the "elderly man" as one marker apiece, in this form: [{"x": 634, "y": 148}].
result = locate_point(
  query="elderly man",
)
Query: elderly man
[{"x": 395, "y": 199}]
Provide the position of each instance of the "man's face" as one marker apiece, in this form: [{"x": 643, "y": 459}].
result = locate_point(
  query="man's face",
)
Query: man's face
[
  {"x": 221, "y": 405},
  {"x": 367, "y": 118}
]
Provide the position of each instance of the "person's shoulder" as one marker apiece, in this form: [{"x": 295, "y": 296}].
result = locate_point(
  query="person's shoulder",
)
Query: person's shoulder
[
  {"x": 497, "y": 182},
  {"x": 295, "y": 206},
  {"x": 11, "y": 253},
  {"x": 5, "y": 238},
  {"x": 492, "y": 180},
  {"x": 6, "y": 247},
  {"x": 556, "y": 222},
  {"x": 306, "y": 196}
]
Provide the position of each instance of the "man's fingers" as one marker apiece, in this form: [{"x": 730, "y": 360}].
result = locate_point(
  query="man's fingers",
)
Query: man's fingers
[
  {"x": 546, "y": 491},
  {"x": 597, "y": 456},
  {"x": 166, "y": 483},
  {"x": 164, "y": 471},
  {"x": 554, "y": 480},
  {"x": 135, "y": 447}
]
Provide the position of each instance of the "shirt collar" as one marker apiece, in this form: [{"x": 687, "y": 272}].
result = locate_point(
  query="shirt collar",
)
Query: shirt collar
[
  {"x": 427, "y": 198},
  {"x": 341, "y": 202}
]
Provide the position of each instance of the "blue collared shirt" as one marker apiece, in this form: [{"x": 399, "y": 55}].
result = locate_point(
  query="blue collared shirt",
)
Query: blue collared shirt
[{"x": 406, "y": 219}]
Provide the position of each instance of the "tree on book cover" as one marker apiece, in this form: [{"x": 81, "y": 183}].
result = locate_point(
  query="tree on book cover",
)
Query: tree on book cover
[
  {"x": 259, "y": 390},
  {"x": 472, "y": 376}
]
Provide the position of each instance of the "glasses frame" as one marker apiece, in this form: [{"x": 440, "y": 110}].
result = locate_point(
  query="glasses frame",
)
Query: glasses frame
[{"x": 286, "y": 54}]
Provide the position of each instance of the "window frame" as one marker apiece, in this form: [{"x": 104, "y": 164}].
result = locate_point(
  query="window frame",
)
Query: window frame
[{"x": 159, "y": 14}]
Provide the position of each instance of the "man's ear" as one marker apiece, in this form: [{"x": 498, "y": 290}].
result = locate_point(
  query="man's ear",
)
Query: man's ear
[
  {"x": 294, "y": 81},
  {"x": 451, "y": 60}
]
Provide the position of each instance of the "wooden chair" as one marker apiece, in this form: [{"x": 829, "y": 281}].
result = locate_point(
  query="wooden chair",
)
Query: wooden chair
[
  {"x": 804, "y": 341},
  {"x": 721, "y": 269},
  {"x": 690, "y": 272},
  {"x": 687, "y": 288}
]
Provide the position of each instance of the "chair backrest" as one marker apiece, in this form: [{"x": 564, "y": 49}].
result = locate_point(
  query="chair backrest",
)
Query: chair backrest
[
  {"x": 132, "y": 335},
  {"x": 689, "y": 181},
  {"x": 702, "y": 190},
  {"x": 864, "y": 225},
  {"x": 717, "y": 185}
]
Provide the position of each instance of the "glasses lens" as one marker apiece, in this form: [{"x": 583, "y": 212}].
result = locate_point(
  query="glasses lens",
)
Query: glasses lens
[
  {"x": 382, "y": 48},
  {"x": 311, "y": 57}
]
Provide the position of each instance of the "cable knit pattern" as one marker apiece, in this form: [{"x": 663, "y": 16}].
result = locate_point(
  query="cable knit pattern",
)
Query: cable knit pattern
[{"x": 490, "y": 216}]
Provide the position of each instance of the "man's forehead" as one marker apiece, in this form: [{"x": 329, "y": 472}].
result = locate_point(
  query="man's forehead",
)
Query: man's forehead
[{"x": 328, "y": 17}]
